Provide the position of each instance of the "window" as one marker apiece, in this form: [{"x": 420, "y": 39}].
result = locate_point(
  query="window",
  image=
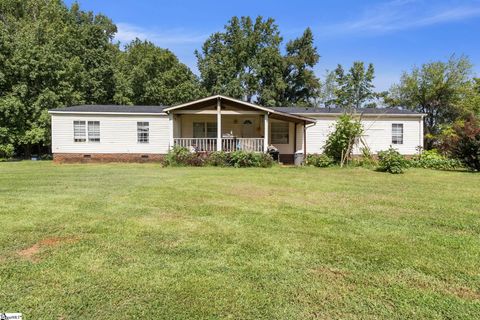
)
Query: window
[
  {"x": 204, "y": 129},
  {"x": 397, "y": 133},
  {"x": 79, "y": 132},
  {"x": 211, "y": 129},
  {"x": 279, "y": 133},
  {"x": 142, "y": 132},
  {"x": 94, "y": 131},
  {"x": 199, "y": 130}
]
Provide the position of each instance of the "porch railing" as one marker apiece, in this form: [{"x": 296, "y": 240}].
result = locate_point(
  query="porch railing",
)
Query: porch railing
[
  {"x": 228, "y": 144},
  {"x": 201, "y": 144},
  {"x": 243, "y": 144}
]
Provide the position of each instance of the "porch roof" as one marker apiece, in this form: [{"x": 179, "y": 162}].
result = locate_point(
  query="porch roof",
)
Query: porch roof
[{"x": 274, "y": 114}]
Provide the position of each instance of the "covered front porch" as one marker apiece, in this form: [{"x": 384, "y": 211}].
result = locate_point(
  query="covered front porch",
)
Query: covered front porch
[
  {"x": 220, "y": 123},
  {"x": 238, "y": 132}
]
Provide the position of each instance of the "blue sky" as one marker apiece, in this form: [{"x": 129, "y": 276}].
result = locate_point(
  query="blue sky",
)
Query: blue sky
[{"x": 394, "y": 35}]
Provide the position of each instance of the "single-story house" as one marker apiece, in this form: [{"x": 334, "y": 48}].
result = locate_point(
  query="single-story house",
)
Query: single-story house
[{"x": 146, "y": 133}]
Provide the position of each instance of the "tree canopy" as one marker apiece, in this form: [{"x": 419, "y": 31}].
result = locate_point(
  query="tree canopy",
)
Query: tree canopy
[
  {"x": 245, "y": 62},
  {"x": 53, "y": 56},
  {"x": 355, "y": 88},
  {"x": 438, "y": 89},
  {"x": 149, "y": 75}
]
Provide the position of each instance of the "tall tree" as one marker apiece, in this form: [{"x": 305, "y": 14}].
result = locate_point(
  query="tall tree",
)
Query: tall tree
[
  {"x": 355, "y": 88},
  {"x": 245, "y": 62},
  {"x": 51, "y": 56},
  {"x": 149, "y": 75},
  {"x": 470, "y": 98},
  {"x": 242, "y": 61},
  {"x": 303, "y": 87},
  {"x": 328, "y": 89},
  {"x": 435, "y": 89}
]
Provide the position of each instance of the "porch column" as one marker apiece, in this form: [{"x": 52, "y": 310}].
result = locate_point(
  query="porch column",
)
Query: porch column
[
  {"x": 265, "y": 134},
  {"x": 170, "y": 130},
  {"x": 219, "y": 125}
]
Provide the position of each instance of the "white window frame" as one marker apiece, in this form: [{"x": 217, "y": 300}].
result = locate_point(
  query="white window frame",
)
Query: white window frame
[
  {"x": 79, "y": 131},
  {"x": 397, "y": 133},
  {"x": 277, "y": 135},
  {"x": 143, "y": 132},
  {"x": 94, "y": 131}
]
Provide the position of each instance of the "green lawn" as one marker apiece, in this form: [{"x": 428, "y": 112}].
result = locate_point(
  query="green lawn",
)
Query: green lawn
[{"x": 132, "y": 241}]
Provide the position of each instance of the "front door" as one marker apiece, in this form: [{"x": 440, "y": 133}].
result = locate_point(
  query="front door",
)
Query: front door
[{"x": 248, "y": 130}]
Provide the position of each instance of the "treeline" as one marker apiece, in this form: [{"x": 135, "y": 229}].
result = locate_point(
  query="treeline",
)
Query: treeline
[{"x": 53, "y": 56}]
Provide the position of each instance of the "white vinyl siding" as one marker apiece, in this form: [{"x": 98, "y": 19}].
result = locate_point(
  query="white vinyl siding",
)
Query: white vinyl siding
[
  {"x": 377, "y": 133},
  {"x": 118, "y": 134}
]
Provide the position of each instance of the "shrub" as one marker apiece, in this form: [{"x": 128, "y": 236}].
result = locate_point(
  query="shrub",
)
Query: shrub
[
  {"x": 218, "y": 159},
  {"x": 367, "y": 159},
  {"x": 263, "y": 160},
  {"x": 242, "y": 159},
  {"x": 319, "y": 160},
  {"x": 464, "y": 143},
  {"x": 6, "y": 151},
  {"x": 180, "y": 156},
  {"x": 340, "y": 141},
  {"x": 431, "y": 159},
  {"x": 392, "y": 161}
]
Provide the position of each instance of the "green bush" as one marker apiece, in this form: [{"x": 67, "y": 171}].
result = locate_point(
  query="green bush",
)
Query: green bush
[
  {"x": 367, "y": 159},
  {"x": 218, "y": 159},
  {"x": 319, "y": 160},
  {"x": 242, "y": 159},
  {"x": 392, "y": 161},
  {"x": 431, "y": 159},
  {"x": 6, "y": 151},
  {"x": 464, "y": 142},
  {"x": 180, "y": 156},
  {"x": 263, "y": 160}
]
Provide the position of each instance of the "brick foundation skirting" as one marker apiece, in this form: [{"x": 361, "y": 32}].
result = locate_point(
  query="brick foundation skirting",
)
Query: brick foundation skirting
[{"x": 106, "y": 157}]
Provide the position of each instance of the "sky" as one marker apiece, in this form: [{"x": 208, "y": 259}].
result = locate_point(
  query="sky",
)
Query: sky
[{"x": 394, "y": 35}]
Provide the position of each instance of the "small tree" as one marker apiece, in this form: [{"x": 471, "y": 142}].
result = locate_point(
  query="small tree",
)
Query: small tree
[
  {"x": 340, "y": 142},
  {"x": 463, "y": 142}
]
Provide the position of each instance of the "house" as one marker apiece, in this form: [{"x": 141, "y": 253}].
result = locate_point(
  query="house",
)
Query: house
[{"x": 146, "y": 133}]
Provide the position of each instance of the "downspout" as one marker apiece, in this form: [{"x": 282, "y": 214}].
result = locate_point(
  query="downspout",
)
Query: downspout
[
  {"x": 295, "y": 140},
  {"x": 304, "y": 141}
]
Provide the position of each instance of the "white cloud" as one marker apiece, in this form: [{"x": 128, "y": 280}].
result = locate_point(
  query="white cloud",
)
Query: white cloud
[
  {"x": 164, "y": 38},
  {"x": 404, "y": 14}
]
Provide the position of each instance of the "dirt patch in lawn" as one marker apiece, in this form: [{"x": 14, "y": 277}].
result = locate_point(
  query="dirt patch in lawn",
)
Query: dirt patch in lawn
[
  {"x": 461, "y": 292},
  {"x": 31, "y": 253},
  {"x": 466, "y": 293}
]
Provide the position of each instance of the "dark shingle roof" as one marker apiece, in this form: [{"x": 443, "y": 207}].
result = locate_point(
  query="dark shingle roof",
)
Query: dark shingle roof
[
  {"x": 300, "y": 110},
  {"x": 294, "y": 110},
  {"x": 113, "y": 108}
]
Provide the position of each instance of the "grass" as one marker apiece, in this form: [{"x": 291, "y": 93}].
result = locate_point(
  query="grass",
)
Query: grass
[{"x": 131, "y": 241}]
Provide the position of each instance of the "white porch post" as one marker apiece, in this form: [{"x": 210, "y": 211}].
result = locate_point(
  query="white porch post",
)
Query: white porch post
[
  {"x": 219, "y": 125},
  {"x": 170, "y": 130},
  {"x": 265, "y": 134}
]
